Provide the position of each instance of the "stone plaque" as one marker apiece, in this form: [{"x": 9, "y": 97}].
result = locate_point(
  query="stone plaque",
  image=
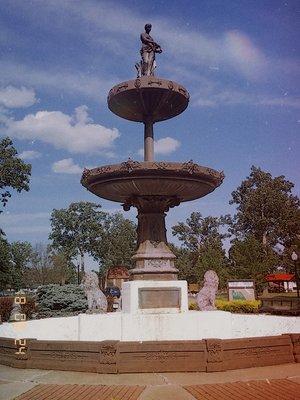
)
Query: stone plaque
[{"x": 164, "y": 297}]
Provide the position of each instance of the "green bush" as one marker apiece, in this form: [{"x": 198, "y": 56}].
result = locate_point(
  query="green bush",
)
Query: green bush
[
  {"x": 193, "y": 306},
  {"x": 29, "y": 308},
  {"x": 236, "y": 306},
  {"x": 6, "y": 306},
  {"x": 239, "y": 306},
  {"x": 58, "y": 301}
]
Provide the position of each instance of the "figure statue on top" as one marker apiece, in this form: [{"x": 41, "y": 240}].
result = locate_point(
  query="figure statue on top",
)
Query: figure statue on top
[{"x": 148, "y": 50}]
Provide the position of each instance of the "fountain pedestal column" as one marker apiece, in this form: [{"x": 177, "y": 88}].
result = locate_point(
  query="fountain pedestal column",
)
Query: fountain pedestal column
[
  {"x": 153, "y": 258},
  {"x": 154, "y": 286}
]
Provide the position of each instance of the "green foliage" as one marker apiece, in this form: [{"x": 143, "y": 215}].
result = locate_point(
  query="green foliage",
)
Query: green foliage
[
  {"x": 118, "y": 242},
  {"x": 5, "y": 263},
  {"x": 193, "y": 307},
  {"x": 56, "y": 300},
  {"x": 29, "y": 308},
  {"x": 6, "y": 306},
  {"x": 21, "y": 255},
  {"x": 239, "y": 306},
  {"x": 14, "y": 173},
  {"x": 201, "y": 248},
  {"x": 197, "y": 230},
  {"x": 250, "y": 259},
  {"x": 62, "y": 269},
  {"x": 212, "y": 256},
  {"x": 39, "y": 269},
  {"x": 266, "y": 209},
  {"x": 185, "y": 263},
  {"x": 77, "y": 229}
]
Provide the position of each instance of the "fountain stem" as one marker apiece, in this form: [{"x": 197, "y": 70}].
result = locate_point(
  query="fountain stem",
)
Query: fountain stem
[{"x": 148, "y": 140}]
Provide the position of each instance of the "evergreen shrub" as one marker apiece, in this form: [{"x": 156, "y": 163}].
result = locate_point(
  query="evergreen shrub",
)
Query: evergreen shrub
[
  {"x": 60, "y": 301},
  {"x": 6, "y": 306}
]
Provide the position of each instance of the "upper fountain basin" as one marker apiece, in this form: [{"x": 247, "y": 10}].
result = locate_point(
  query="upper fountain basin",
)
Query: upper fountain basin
[{"x": 148, "y": 97}]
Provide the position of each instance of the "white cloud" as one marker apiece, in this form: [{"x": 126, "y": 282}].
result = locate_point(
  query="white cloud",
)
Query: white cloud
[
  {"x": 244, "y": 55},
  {"x": 112, "y": 28},
  {"x": 235, "y": 97},
  {"x": 163, "y": 146},
  {"x": 283, "y": 101},
  {"x": 166, "y": 145},
  {"x": 25, "y": 223},
  {"x": 76, "y": 133},
  {"x": 29, "y": 155},
  {"x": 66, "y": 166},
  {"x": 59, "y": 81},
  {"x": 13, "y": 97}
]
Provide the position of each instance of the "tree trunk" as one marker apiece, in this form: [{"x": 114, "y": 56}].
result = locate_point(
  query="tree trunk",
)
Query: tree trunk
[
  {"x": 82, "y": 262},
  {"x": 264, "y": 239}
]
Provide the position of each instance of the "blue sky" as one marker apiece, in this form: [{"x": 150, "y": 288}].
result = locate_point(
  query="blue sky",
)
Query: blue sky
[{"x": 238, "y": 59}]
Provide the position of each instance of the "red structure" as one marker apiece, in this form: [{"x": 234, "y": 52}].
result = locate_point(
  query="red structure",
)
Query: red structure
[
  {"x": 279, "y": 279},
  {"x": 116, "y": 276}
]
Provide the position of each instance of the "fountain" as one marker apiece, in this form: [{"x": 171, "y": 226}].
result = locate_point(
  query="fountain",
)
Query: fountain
[
  {"x": 155, "y": 332},
  {"x": 152, "y": 187}
]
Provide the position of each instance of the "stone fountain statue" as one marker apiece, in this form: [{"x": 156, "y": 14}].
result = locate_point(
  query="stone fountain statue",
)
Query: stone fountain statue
[
  {"x": 207, "y": 295},
  {"x": 96, "y": 299},
  {"x": 149, "y": 48},
  {"x": 150, "y": 186}
]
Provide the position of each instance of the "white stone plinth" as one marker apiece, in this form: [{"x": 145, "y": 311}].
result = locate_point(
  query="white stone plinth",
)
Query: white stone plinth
[{"x": 131, "y": 296}]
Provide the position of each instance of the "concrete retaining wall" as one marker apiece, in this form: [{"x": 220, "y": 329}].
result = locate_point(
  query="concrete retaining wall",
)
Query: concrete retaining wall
[{"x": 164, "y": 356}]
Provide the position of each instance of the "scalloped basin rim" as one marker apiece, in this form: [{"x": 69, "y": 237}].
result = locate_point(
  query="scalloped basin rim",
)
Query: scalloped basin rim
[{"x": 118, "y": 182}]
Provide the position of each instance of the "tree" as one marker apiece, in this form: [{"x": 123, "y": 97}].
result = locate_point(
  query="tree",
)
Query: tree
[
  {"x": 118, "y": 242},
  {"x": 198, "y": 230},
  {"x": 266, "y": 209},
  {"x": 21, "y": 255},
  {"x": 202, "y": 247},
  {"x": 185, "y": 262},
  {"x": 14, "y": 173},
  {"x": 251, "y": 259},
  {"x": 63, "y": 270},
  {"x": 39, "y": 268},
  {"x": 5, "y": 262},
  {"x": 78, "y": 229}
]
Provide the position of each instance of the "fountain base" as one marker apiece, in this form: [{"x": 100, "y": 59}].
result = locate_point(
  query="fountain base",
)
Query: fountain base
[{"x": 159, "y": 297}]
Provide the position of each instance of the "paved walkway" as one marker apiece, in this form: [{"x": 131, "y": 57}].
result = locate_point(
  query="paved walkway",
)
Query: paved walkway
[{"x": 280, "y": 382}]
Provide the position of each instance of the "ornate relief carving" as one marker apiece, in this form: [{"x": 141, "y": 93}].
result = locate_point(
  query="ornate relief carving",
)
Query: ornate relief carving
[
  {"x": 257, "y": 351},
  {"x": 157, "y": 263},
  {"x": 158, "y": 83},
  {"x": 64, "y": 355},
  {"x": 104, "y": 169},
  {"x": 183, "y": 91},
  {"x": 170, "y": 85},
  {"x": 161, "y": 356},
  {"x": 130, "y": 165},
  {"x": 122, "y": 87},
  {"x": 222, "y": 175},
  {"x": 215, "y": 350},
  {"x": 86, "y": 173},
  {"x": 108, "y": 354},
  {"x": 191, "y": 167},
  {"x": 160, "y": 165},
  {"x": 154, "y": 243},
  {"x": 137, "y": 83}
]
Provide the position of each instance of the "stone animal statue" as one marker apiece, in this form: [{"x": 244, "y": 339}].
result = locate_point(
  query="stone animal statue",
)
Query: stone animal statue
[
  {"x": 206, "y": 296},
  {"x": 95, "y": 297}
]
